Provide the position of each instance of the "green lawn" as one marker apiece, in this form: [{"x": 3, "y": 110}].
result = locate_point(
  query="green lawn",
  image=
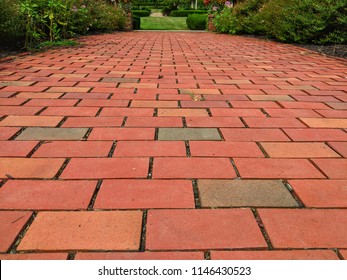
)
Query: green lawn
[{"x": 164, "y": 23}]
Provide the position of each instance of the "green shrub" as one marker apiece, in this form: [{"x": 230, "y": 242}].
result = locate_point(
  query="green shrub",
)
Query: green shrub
[
  {"x": 136, "y": 22},
  {"x": 197, "y": 22},
  {"x": 106, "y": 17},
  {"x": 166, "y": 11},
  {"x": 305, "y": 21},
  {"x": 242, "y": 19},
  {"x": 54, "y": 20},
  {"x": 145, "y": 9},
  {"x": 141, "y": 13},
  {"x": 299, "y": 21},
  {"x": 246, "y": 13},
  {"x": 185, "y": 13},
  {"x": 225, "y": 22},
  {"x": 11, "y": 23}
]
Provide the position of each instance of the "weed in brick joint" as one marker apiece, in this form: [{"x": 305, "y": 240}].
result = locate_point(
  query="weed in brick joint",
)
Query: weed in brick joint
[
  {"x": 188, "y": 153},
  {"x": 110, "y": 154},
  {"x": 294, "y": 195},
  {"x": 61, "y": 170},
  {"x": 150, "y": 168},
  {"x": 39, "y": 112},
  {"x": 262, "y": 228},
  {"x": 207, "y": 255},
  {"x": 124, "y": 121},
  {"x": 2, "y": 182},
  {"x": 13, "y": 248},
  {"x": 337, "y": 252},
  {"x": 99, "y": 111},
  {"x": 196, "y": 194},
  {"x": 87, "y": 134},
  {"x": 61, "y": 122},
  {"x": 96, "y": 191},
  {"x": 35, "y": 149},
  {"x": 17, "y": 133},
  {"x": 143, "y": 233},
  {"x": 71, "y": 256}
]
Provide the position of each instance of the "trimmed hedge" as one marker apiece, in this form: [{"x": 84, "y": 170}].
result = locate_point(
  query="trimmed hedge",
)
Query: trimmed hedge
[
  {"x": 141, "y": 13},
  {"x": 305, "y": 21},
  {"x": 298, "y": 21},
  {"x": 145, "y": 9},
  {"x": 197, "y": 22},
  {"x": 136, "y": 22},
  {"x": 185, "y": 13}
]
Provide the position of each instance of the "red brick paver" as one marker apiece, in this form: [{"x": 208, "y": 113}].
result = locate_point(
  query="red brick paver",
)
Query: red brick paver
[
  {"x": 321, "y": 193},
  {"x": 11, "y": 223},
  {"x": 305, "y": 228},
  {"x": 141, "y": 256},
  {"x": 29, "y": 167},
  {"x": 344, "y": 254},
  {"x": 202, "y": 229},
  {"x": 275, "y": 255},
  {"x": 140, "y": 194},
  {"x": 46, "y": 195},
  {"x": 83, "y": 231},
  {"x": 106, "y": 148},
  {"x": 34, "y": 256},
  {"x": 73, "y": 149}
]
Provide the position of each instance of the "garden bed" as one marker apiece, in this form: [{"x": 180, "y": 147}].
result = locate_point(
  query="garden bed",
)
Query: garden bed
[{"x": 331, "y": 50}]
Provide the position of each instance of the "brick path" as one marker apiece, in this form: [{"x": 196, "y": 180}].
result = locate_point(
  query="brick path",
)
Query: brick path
[{"x": 173, "y": 146}]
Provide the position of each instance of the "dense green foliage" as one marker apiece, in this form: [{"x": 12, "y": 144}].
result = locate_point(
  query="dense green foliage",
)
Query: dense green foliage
[
  {"x": 141, "y": 13},
  {"x": 321, "y": 22},
  {"x": 136, "y": 22},
  {"x": 37, "y": 21},
  {"x": 11, "y": 22},
  {"x": 197, "y": 22},
  {"x": 166, "y": 11},
  {"x": 300, "y": 21},
  {"x": 185, "y": 13}
]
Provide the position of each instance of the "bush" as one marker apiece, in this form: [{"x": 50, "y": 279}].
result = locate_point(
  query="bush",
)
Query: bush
[
  {"x": 11, "y": 23},
  {"x": 166, "y": 11},
  {"x": 241, "y": 19},
  {"x": 299, "y": 21},
  {"x": 246, "y": 13},
  {"x": 141, "y": 13},
  {"x": 106, "y": 17},
  {"x": 54, "y": 20},
  {"x": 197, "y": 22},
  {"x": 185, "y": 13},
  {"x": 136, "y": 22},
  {"x": 225, "y": 22},
  {"x": 146, "y": 9},
  {"x": 305, "y": 21}
]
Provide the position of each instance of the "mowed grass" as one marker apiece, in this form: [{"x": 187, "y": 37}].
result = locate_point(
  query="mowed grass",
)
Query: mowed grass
[{"x": 164, "y": 23}]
